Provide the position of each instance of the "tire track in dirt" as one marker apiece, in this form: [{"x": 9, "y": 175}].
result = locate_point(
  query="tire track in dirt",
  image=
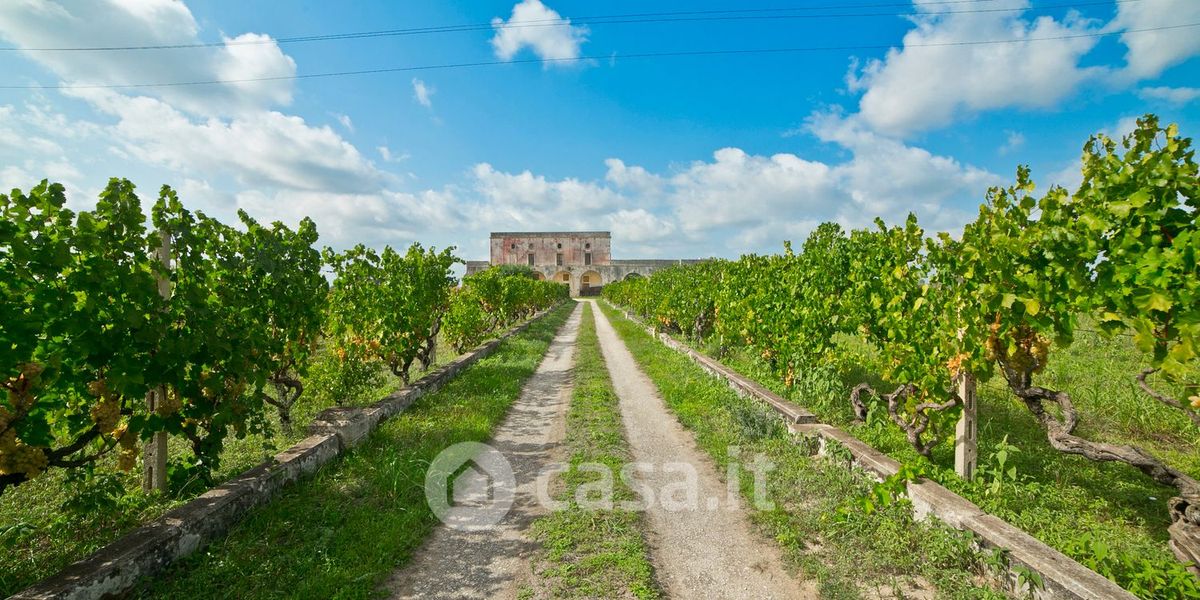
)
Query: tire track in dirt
[
  {"x": 701, "y": 551},
  {"x": 494, "y": 562}
]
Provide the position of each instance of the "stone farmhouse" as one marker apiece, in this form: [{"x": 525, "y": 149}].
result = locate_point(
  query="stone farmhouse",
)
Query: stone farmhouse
[{"x": 582, "y": 259}]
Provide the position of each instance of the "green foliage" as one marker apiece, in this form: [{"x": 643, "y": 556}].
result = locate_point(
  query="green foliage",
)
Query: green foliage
[
  {"x": 787, "y": 309},
  {"x": 996, "y": 473},
  {"x": 335, "y": 380},
  {"x": 63, "y": 280},
  {"x": 1145, "y": 578},
  {"x": 491, "y": 300},
  {"x": 856, "y": 555},
  {"x": 510, "y": 270},
  {"x": 386, "y": 307},
  {"x": 1140, "y": 209},
  {"x": 1122, "y": 251},
  {"x": 887, "y": 492},
  {"x": 86, "y": 332},
  {"x": 343, "y": 531},
  {"x": 250, "y": 303},
  {"x": 589, "y": 552}
]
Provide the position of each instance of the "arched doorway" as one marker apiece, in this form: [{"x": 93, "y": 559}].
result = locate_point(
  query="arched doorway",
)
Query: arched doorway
[
  {"x": 538, "y": 275},
  {"x": 562, "y": 276},
  {"x": 590, "y": 283}
]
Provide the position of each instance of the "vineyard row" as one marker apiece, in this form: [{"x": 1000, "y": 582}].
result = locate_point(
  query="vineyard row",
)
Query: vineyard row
[
  {"x": 120, "y": 329},
  {"x": 1122, "y": 251}
]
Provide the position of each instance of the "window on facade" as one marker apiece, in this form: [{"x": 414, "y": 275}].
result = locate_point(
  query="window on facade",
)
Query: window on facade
[
  {"x": 531, "y": 245},
  {"x": 560, "y": 245},
  {"x": 587, "y": 246},
  {"x": 558, "y": 259},
  {"x": 512, "y": 247},
  {"x": 587, "y": 258},
  {"x": 531, "y": 259}
]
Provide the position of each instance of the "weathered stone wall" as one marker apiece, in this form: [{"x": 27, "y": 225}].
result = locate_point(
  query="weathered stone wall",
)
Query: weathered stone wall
[
  {"x": 513, "y": 248},
  {"x": 114, "y": 569},
  {"x": 602, "y": 275},
  {"x": 1061, "y": 577}
]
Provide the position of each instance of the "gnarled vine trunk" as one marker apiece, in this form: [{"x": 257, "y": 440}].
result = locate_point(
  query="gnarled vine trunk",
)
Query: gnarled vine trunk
[
  {"x": 1060, "y": 432},
  {"x": 1164, "y": 398},
  {"x": 428, "y": 353},
  {"x": 914, "y": 427},
  {"x": 288, "y": 390}
]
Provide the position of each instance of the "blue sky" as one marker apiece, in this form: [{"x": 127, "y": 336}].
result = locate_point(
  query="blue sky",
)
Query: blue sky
[{"x": 678, "y": 156}]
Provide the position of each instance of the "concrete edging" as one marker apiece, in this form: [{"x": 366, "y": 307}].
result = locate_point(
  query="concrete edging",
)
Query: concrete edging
[
  {"x": 1062, "y": 577},
  {"x": 114, "y": 569}
]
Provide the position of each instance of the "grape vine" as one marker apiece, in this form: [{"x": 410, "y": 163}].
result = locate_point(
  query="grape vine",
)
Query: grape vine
[
  {"x": 493, "y": 299},
  {"x": 1123, "y": 251},
  {"x": 87, "y": 334}
]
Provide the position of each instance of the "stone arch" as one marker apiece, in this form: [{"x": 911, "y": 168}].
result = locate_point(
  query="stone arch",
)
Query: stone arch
[
  {"x": 590, "y": 280},
  {"x": 563, "y": 276},
  {"x": 538, "y": 276},
  {"x": 634, "y": 275}
]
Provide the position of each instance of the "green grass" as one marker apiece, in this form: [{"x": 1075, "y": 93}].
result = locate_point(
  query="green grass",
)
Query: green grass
[
  {"x": 593, "y": 553},
  {"x": 341, "y": 532},
  {"x": 851, "y": 554},
  {"x": 1066, "y": 501},
  {"x": 60, "y": 518}
]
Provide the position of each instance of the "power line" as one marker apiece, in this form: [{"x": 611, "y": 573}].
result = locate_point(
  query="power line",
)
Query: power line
[
  {"x": 638, "y": 55},
  {"x": 471, "y": 27},
  {"x": 628, "y": 18}
]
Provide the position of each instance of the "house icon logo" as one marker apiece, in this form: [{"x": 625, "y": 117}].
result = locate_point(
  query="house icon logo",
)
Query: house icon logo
[{"x": 470, "y": 486}]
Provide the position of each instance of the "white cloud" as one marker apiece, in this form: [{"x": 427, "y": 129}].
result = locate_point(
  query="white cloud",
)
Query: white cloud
[
  {"x": 930, "y": 81},
  {"x": 1068, "y": 177},
  {"x": 1123, "y": 127},
  {"x": 1013, "y": 140},
  {"x": 739, "y": 190},
  {"x": 31, "y": 144},
  {"x": 634, "y": 178},
  {"x": 248, "y": 152},
  {"x": 388, "y": 156},
  {"x": 525, "y": 196},
  {"x": 639, "y": 225},
  {"x": 536, "y": 26},
  {"x": 376, "y": 219},
  {"x": 737, "y": 201},
  {"x": 211, "y": 137},
  {"x": 263, "y": 148},
  {"x": 199, "y": 194},
  {"x": 918, "y": 87},
  {"x": 889, "y": 179},
  {"x": 423, "y": 93},
  {"x": 733, "y": 202},
  {"x": 1149, "y": 53},
  {"x": 255, "y": 56},
  {"x": 1171, "y": 95},
  {"x": 1071, "y": 175},
  {"x": 78, "y": 23},
  {"x": 21, "y": 141}
]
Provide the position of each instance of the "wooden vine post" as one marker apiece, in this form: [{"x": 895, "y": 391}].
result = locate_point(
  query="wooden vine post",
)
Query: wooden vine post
[
  {"x": 154, "y": 457},
  {"x": 966, "y": 431},
  {"x": 966, "y": 434}
]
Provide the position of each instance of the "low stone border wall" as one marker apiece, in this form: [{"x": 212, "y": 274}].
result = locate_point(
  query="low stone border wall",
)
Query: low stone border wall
[
  {"x": 1061, "y": 576},
  {"x": 114, "y": 569}
]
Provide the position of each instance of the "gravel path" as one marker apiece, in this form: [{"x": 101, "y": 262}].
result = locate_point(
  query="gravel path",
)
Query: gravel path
[
  {"x": 494, "y": 562},
  {"x": 698, "y": 552}
]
